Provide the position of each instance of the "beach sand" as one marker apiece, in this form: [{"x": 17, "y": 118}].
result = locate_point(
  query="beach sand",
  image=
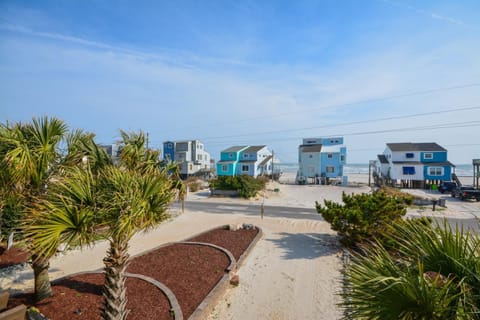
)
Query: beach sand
[{"x": 293, "y": 272}]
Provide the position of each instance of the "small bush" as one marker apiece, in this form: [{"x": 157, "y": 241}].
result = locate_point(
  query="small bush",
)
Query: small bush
[
  {"x": 362, "y": 217},
  {"x": 246, "y": 186},
  {"x": 193, "y": 184}
]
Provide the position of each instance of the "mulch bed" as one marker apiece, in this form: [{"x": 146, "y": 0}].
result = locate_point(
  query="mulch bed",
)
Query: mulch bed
[
  {"x": 234, "y": 241},
  {"x": 190, "y": 271},
  {"x": 12, "y": 257},
  {"x": 80, "y": 297}
]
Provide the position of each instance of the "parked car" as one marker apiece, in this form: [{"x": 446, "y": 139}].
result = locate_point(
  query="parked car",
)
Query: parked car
[
  {"x": 447, "y": 186},
  {"x": 466, "y": 192}
]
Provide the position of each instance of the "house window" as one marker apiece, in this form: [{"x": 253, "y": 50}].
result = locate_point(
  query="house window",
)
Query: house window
[
  {"x": 245, "y": 168},
  {"x": 409, "y": 155},
  {"x": 199, "y": 157},
  {"x": 330, "y": 169},
  {"x": 408, "y": 170},
  {"x": 245, "y": 155},
  {"x": 224, "y": 168},
  {"x": 330, "y": 155},
  {"x": 310, "y": 156},
  {"x": 428, "y": 155},
  {"x": 169, "y": 145},
  {"x": 230, "y": 155},
  {"x": 342, "y": 158},
  {"x": 435, "y": 171}
]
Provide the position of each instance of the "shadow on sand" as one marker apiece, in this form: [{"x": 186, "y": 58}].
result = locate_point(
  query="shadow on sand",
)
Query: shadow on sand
[{"x": 306, "y": 245}]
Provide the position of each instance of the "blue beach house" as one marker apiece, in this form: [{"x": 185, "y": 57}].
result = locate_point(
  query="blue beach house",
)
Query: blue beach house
[
  {"x": 249, "y": 160},
  {"x": 415, "y": 164},
  {"x": 190, "y": 155},
  {"x": 320, "y": 158},
  {"x": 229, "y": 158}
]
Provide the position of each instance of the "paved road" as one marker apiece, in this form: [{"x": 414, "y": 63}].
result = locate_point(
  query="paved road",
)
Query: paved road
[{"x": 289, "y": 212}]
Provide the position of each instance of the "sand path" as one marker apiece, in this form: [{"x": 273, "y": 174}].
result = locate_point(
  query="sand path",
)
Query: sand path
[{"x": 293, "y": 273}]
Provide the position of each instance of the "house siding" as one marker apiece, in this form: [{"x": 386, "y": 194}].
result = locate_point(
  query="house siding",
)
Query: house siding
[
  {"x": 447, "y": 173},
  {"x": 241, "y": 157},
  {"x": 314, "y": 160},
  {"x": 190, "y": 154},
  {"x": 436, "y": 156},
  {"x": 400, "y": 162}
]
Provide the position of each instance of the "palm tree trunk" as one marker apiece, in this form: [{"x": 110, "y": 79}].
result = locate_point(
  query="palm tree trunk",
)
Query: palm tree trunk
[
  {"x": 42, "y": 281},
  {"x": 114, "y": 289}
]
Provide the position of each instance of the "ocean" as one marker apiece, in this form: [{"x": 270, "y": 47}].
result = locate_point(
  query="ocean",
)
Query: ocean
[{"x": 462, "y": 170}]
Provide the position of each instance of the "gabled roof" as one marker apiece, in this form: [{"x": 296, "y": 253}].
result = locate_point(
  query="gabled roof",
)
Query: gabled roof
[
  {"x": 265, "y": 161},
  {"x": 409, "y": 146},
  {"x": 254, "y": 148},
  {"x": 311, "y": 148},
  {"x": 382, "y": 158},
  {"x": 234, "y": 149}
]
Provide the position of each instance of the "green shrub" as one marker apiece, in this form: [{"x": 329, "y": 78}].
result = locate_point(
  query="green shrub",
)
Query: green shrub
[
  {"x": 362, "y": 217},
  {"x": 246, "y": 186}
]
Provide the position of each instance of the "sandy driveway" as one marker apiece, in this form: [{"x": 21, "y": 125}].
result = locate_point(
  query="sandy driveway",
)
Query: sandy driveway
[{"x": 293, "y": 273}]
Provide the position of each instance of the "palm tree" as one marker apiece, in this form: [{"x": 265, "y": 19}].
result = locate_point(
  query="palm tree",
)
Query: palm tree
[
  {"x": 29, "y": 154},
  {"x": 432, "y": 273},
  {"x": 112, "y": 202},
  {"x": 132, "y": 202},
  {"x": 32, "y": 162}
]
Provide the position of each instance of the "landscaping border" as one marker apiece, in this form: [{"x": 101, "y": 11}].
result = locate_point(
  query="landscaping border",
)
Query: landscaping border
[{"x": 210, "y": 301}]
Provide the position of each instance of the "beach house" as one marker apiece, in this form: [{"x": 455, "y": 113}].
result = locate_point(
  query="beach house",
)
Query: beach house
[
  {"x": 320, "y": 159},
  {"x": 249, "y": 160},
  {"x": 189, "y": 154},
  {"x": 113, "y": 150},
  {"x": 415, "y": 165}
]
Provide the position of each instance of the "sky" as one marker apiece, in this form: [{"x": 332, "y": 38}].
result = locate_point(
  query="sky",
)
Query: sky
[{"x": 232, "y": 72}]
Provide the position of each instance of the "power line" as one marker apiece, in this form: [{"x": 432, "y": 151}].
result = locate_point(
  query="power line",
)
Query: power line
[
  {"x": 415, "y": 115},
  {"x": 374, "y": 149},
  {"x": 392, "y": 97},
  {"x": 416, "y": 128}
]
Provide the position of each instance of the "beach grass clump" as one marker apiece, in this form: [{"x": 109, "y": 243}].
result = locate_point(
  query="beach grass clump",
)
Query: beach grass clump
[
  {"x": 193, "y": 184},
  {"x": 362, "y": 217}
]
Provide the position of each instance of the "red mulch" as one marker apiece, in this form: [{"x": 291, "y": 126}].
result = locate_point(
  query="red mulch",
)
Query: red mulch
[
  {"x": 80, "y": 297},
  {"x": 190, "y": 271},
  {"x": 234, "y": 241},
  {"x": 12, "y": 257}
]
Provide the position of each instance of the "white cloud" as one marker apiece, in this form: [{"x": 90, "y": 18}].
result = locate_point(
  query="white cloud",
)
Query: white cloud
[{"x": 106, "y": 87}]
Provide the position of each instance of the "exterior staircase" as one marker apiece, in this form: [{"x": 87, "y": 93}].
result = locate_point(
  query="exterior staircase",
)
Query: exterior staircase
[{"x": 455, "y": 178}]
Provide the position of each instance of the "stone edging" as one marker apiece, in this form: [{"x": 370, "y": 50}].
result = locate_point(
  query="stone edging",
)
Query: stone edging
[
  {"x": 233, "y": 261},
  {"x": 259, "y": 235},
  {"x": 210, "y": 301},
  {"x": 172, "y": 299}
]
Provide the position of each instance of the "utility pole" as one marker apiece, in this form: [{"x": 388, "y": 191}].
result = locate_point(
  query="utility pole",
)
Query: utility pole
[{"x": 273, "y": 158}]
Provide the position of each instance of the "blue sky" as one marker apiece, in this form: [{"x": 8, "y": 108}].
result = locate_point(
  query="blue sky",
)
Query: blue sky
[{"x": 249, "y": 72}]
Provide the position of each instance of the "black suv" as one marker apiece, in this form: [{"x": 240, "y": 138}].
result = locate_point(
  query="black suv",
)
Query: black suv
[{"x": 447, "y": 186}]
